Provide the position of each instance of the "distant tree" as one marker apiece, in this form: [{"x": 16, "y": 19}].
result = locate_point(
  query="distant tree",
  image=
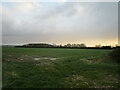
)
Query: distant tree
[
  {"x": 77, "y": 45},
  {"x": 38, "y": 45},
  {"x": 106, "y": 47},
  {"x": 73, "y": 45},
  {"x": 54, "y": 45},
  {"x": 82, "y": 45},
  {"x": 117, "y": 46},
  {"x": 68, "y": 45},
  {"x": 98, "y": 46},
  {"x": 61, "y": 46}
]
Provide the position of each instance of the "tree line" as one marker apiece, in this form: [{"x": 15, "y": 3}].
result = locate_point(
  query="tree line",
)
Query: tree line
[{"x": 82, "y": 46}]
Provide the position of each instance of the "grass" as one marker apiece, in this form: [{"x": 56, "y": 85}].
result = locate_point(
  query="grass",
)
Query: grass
[{"x": 75, "y": 68}]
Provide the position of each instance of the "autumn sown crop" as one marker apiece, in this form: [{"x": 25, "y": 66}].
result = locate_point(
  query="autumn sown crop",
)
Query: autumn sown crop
[{"x": 58, "y": 68}]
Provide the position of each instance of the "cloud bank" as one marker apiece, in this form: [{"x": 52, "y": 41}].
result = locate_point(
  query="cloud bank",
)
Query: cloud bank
[{"x": 60, "y": 23}]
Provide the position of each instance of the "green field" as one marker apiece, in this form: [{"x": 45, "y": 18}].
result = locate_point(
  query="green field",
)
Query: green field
[{"x": 73, "y": 68}]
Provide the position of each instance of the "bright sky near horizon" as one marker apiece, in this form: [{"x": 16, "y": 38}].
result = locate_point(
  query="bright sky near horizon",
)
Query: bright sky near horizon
[{"x": 60, "y": 22}]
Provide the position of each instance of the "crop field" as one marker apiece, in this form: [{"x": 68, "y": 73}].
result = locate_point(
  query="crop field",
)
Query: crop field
[{"x": 58, "y": 68}]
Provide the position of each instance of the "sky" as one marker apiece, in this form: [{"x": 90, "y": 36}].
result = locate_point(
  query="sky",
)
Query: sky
[{"x": 59, "y": 22}]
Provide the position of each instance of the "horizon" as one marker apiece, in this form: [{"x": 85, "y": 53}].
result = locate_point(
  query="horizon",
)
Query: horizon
[{"x": 112, "y": 45}]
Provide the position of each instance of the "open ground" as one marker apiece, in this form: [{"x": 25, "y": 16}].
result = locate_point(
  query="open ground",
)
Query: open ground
[{"x": 58, "y": 68}]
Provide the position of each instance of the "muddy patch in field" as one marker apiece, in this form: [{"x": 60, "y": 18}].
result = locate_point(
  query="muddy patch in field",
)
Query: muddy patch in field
[
  {"x": 50, "y": 58},
  {"x": 42, "y": 63},
  {"x": 92, "y": 60}
]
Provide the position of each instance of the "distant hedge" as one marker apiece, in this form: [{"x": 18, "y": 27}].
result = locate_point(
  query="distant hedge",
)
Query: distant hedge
[{"x": 114, "y": 56}]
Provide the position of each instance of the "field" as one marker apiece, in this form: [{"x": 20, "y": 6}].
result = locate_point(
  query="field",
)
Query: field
[{"x": 70, "y": 68}]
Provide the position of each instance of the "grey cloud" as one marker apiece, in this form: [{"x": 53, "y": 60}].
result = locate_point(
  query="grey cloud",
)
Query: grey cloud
[
  {"x": 63, "y": 23},
  {"x": 64, "y": 10}
]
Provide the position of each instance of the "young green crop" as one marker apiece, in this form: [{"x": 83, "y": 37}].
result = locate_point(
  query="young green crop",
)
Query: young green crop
[{"x": 74, "y": 68}]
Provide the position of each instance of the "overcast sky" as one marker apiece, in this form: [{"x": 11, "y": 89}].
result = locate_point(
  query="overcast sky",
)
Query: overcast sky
[{"x": 60, "y": 22}]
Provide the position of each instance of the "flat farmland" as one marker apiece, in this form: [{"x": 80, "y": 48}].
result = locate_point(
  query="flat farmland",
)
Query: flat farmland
[{"x": 58, "y": 68}]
